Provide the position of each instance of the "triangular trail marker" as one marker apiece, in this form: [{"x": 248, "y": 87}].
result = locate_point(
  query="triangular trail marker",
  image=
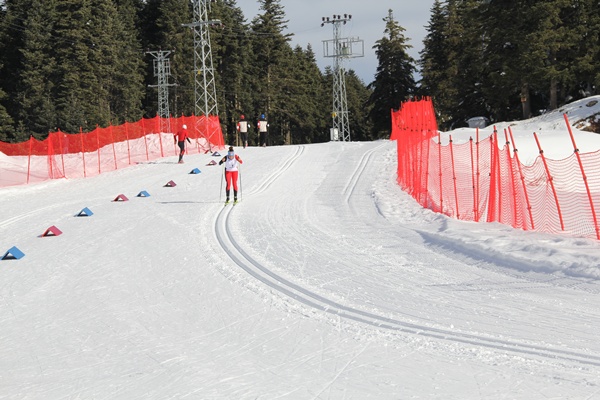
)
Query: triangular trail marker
[
  {"x": 121, "y": 197},
  {"x": 143, "y": 193},
  {"x": 170, "y": 184},
  {"x": 215, "y": 154},
  {"x": 85, "y": 212},
  {"x": 212, "y": 162},
  {"x": 13, "y": 254},
  {"x": 195, "y": 171},
  {"x": 52, "y": 231}
]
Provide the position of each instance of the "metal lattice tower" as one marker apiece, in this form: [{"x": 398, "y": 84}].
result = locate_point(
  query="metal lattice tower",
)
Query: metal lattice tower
[
  {"x": 340, "y": 49},
  {"x": 162, "y": 70},
  {"x": 205, "y": 92}
]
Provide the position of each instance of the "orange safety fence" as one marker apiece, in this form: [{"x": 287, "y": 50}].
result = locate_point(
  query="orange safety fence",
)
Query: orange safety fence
[
  {"x": 483, "y": 181},
  {"x": 85, "y": 154}
]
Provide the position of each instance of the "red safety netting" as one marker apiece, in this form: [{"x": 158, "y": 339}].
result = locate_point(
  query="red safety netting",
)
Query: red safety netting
[
  {"x": 85, "y": 154},
  {"x": 485, "y": 180}
]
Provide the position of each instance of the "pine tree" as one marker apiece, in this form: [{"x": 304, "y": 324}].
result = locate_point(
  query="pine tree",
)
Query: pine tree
[
  {"x": 163, "y": 30},
  {"x": 394, "y": 81},
  {"x": 269, "y": 49},
  {"x": 434, "y": 65},
  {"x": 231, "y": 57}
]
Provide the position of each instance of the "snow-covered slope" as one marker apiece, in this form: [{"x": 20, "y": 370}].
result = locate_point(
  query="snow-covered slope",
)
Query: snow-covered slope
[{"x": 325, "y": 282}]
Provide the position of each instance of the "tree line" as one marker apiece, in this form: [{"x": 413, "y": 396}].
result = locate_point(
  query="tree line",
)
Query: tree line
[
  {"x": 78, "y": 64},
  {"x": 508, "y": 60}
]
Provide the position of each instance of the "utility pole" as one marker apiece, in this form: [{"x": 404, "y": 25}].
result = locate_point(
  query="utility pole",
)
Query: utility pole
[
  {"x": 205, "y": 92},
  {"x": 340, "y": 49},
  {"x": 162, "y": 70}
]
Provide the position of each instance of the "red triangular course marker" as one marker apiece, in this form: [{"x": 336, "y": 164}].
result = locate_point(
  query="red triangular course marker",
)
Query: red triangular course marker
[
  {"x": 212, "y": 162},
  {"x": 170, "y": 184},
  {"x": 52, "y": 231},
  {"x": 121, "y": 197}
]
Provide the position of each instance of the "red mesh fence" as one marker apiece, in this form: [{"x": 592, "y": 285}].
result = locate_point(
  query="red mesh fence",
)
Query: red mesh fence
[
  {"x": 484, "y": 180},
  {"x": 63, "y": 155}
]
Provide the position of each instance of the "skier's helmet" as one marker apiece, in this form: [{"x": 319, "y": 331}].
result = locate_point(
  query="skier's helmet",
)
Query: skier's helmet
[
  {"x": 262, "y": 116},
  {"x": 242, "y": 116}
]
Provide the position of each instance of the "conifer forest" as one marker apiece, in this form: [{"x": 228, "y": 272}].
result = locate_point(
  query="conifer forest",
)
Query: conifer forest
[{"x": 77, "y": 64}]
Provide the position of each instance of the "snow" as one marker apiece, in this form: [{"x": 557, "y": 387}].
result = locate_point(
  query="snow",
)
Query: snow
[{"x": 325, "y": 282}]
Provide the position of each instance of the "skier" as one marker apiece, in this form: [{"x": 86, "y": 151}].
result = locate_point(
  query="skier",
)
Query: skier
[
  {"x": 180, "y": 137},
  {"x": 242, "y": 128},
  {"x": 231, "y": 161},
  {"x": 262, "y": 127}
]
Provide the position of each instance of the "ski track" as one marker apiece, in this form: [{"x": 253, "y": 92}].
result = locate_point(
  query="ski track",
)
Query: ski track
[{"x": 224, "y": 234}]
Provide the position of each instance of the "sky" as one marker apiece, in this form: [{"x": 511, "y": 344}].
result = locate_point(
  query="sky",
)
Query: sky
[
  {"x": 326, "y": 281},
  {"x": 367, "y": 24}
]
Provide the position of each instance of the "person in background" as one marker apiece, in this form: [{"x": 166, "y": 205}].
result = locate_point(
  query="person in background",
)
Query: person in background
[
  {"x": 231, "y": 161},
  {"x": 242, "y": 128},
  {"x": 180, "y": 137},
  {"x": 263, "y": 131}
]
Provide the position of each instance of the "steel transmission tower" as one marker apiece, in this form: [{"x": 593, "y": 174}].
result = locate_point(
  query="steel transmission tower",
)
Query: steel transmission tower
[
  {"x": 340, "y": 49},
  {"x": 205, "y": 92},
  {"x": 162, "y": 70}
]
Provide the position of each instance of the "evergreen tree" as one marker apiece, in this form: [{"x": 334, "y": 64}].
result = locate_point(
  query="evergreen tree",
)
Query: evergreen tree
[
  {"x": 434, "y": 65},
  {"x": 231, "y": 58},
  {"x": 35, "y": 106},
  {"x": 359, "y": 109},
  {"x": 394, "y": 81},
  {"x": 164, "y": 30},
  {"x": 270, "y": 48}
]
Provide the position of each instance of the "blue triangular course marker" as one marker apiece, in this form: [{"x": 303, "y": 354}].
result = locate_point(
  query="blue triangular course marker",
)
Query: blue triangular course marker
[
  {"x": 121, "y": 197},
  {"x": 195, "y": 171},
  {"x": 143, "y": 193},
  {"x": 170, "y": 184},
  {"x": 215, "y": 154},
  {"x": 212, "y": 162},
  {"x": 13, "y": 254},
  {"x": 85, "y": 212}
]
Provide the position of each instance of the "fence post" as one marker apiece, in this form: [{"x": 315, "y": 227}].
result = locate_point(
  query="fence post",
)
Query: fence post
[
  {"x": 522, "y": 177},
  {"x": 128, "y": 147},
  {"x": 98, "y": 147},
  {"x": 587, "y": 186},
  {"x": 454, "y": 179},
  {"x": 473, "y": 179},
  {"x": 513, "y": 185},
  {"x": 551, "y": 180},
  {"x": 29, "y": 158},
  {"x": 112, "y": 139},
  {"x": 145, "y": 139},
  {"x": 82, "y": 151},
  {"x": 440, "y": 172}
]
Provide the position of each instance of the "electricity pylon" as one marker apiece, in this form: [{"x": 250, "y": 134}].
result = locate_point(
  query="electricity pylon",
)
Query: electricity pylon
[
  {"x": 162, "y": 70},
  {"x": 205, "y": 92},
  {"x": 340, "y": 49}
]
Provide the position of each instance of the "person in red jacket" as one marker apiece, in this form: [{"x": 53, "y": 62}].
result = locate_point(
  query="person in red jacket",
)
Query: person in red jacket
[
  {"x": 231, "y": 161},
  {"x": 180, "y": 137}
]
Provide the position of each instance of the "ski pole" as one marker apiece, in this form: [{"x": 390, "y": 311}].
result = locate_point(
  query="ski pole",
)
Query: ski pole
[{"x": 221, "y": 187}]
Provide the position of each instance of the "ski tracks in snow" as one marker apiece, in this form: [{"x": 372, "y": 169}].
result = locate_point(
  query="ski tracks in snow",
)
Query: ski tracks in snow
[{"x": 226, "y": 238}]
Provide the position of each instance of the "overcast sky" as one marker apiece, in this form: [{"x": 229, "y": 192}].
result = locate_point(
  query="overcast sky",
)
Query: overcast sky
[{"x": 367, "y": 24}]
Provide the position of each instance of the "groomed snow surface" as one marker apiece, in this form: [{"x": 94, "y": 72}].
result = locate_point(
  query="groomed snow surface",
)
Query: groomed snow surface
[{"x": 326, "y": 281}]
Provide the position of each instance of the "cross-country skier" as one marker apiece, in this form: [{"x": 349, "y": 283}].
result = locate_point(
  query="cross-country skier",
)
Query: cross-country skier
[
  {"x": 242, "y": 128},
  {"x": 263, "y": 130},
  {"x": 180, "y": 137},
  {"x": 231, "y": 161}
]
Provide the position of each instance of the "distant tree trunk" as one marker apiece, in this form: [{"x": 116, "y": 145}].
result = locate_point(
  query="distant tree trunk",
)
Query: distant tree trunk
[
  {"x": 553, "y": 94},
  {"x": 525, "y": 100}
]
